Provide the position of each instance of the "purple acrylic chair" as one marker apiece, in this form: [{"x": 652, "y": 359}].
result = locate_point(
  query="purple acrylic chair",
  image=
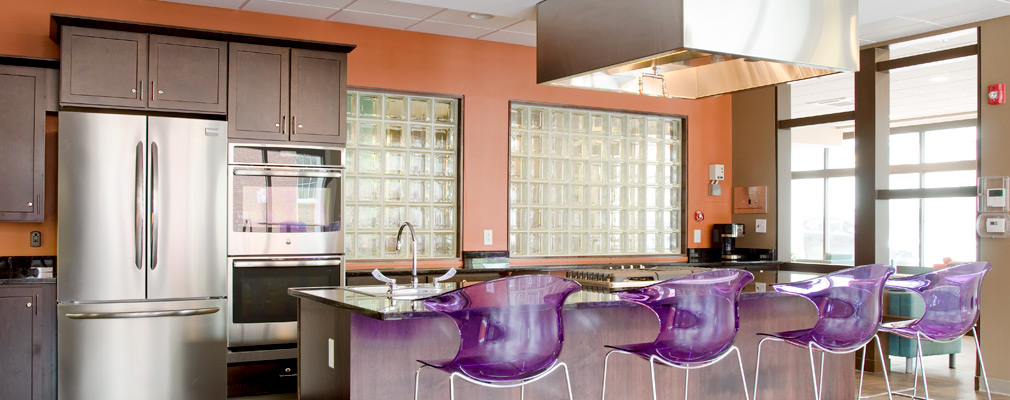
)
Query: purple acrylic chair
[
  {"x": 849, "y": 312},
  {"x": 952, "y": 304},
  {"x": 510, "y": 331},
  {"x": 698, "y": 322}
]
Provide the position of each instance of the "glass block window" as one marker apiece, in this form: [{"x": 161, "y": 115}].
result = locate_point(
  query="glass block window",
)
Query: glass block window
[
  {"x": 402, "y": 166},
  {"x": 590, "y": 182}
]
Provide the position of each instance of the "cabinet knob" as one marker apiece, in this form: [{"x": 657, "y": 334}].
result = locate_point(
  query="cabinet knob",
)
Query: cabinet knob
[
  {"x": 160, "y": 91},
  {"x": 134, "y": 90},
  {"x": 277, "y": 125},
  {"x": 300, "y": 126},
  {"x": 29, "y": 305},
  {"x": 30, "y": 204}
]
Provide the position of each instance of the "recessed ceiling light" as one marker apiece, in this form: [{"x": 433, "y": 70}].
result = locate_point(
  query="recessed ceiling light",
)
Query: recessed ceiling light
[
  {"x": 940, "y": 78},
  {"x": 481, "y": 16}
]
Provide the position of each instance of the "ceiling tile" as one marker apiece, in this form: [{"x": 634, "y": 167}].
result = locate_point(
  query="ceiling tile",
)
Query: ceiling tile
[
  {"x": 512, "y": 37},
  {"x": 322, "y": 3},
  {"x": 289, "y": 9},
  {"x": 463, "y": 18},
  {"x": 394, "y": 8},
  {"x": 233, "y": 4},
  {"x": 441, "y": 28},
  {"x": 526, "y": 26},
  {"x": 371, "y": 19},
  {"x": 976, "y": 15},
  {"x": 523, "y": 9}
]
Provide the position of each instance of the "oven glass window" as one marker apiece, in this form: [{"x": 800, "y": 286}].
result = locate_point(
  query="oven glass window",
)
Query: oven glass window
[
  {"x": 286, "y": 204},
  {"x": 260, "y": 295}
]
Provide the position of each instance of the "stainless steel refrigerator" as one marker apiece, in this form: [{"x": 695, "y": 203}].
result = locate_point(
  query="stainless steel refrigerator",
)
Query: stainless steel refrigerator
[{"x": 141, "y": 243}]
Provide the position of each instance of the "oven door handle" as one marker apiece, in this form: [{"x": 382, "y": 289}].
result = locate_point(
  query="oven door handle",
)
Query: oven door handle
[
  {"x": 285, "y": 263},
  {"x": 295, "y": 173}
]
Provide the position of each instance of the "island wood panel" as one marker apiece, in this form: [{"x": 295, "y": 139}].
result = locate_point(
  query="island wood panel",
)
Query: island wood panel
[{"x": 377, "y": 359}]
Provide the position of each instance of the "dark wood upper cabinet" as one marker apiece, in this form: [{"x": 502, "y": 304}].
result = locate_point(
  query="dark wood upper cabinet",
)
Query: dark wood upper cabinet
[
  {"x": 22, "y": 143},
  {"x": 258, "y": 91},
  {"x": 188, "y": 74},
  {"x": 277, "y": 93},
  {"x": 103, "y": 68},
  {"x": 106, "y": 68},
  {"x": 318, "y": 96},
  {"x": 27, "y": 342}
]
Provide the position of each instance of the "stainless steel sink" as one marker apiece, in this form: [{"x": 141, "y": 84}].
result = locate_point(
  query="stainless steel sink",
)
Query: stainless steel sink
[{"x": 400, "y": 293}]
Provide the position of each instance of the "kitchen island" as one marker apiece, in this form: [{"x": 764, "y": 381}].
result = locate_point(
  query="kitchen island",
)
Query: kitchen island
[{"x": 355, "y": 344}]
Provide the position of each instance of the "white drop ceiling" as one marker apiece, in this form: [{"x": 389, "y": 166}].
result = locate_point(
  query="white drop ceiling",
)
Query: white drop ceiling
[{"x": 514, "y": 21}]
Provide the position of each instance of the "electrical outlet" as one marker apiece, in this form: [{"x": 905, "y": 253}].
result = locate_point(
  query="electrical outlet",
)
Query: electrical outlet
[
  {"x": 329, "y": 359},
  {"x": 760, "y": 286},
  {"x": 487, "y": 237},
  {"x": 36, "y": 239},
  {"x": 761, "y": 226}
]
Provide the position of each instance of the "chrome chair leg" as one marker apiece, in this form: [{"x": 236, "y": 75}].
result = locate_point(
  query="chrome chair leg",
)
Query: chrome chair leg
[
  {"x": 820, "y": 391},
  {"x": 417, "y": 380},
  {"x": 813, "y": 372},
  {"x": 568, "y": 379},
  {"x": 862, "y": 367},
  {"x": 522, "y": 392},
  {"x": 978, "y": 350},
  {"x": 743, "y": 377},
  {"x": 452, "y": 386},
  {"x": 925, "y": 385},
  {"x": 652, "y": 368},
  {"x": 687, "y": 378},
  {"x": 605, "y": 361},
  {"x": 883, "y": 361},
  {"x": 757, "y": 366}
]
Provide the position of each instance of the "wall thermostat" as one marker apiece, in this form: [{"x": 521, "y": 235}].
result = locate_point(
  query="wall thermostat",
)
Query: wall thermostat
[{"x": 995, "y": 198}]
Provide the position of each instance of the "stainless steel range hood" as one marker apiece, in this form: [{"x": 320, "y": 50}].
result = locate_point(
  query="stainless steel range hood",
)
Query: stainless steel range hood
[{"x": 692, "y": 48}]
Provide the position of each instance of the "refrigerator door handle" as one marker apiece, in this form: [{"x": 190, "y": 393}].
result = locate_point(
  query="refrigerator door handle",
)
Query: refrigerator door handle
[
  {"x": 155, "y": 203},
  {"x": 138, "y": 207},
  {"x": 145, "y": 314}
]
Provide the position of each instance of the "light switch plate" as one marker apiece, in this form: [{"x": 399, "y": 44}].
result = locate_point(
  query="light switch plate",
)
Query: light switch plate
[
  {"x": 487, "y": 237},
  {"x": 697, "y": 235},
  {"x": 761, "y": 225}
]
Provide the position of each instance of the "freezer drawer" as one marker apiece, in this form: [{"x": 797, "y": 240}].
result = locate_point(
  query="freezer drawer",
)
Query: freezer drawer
[{"x": 150, "y": 350}]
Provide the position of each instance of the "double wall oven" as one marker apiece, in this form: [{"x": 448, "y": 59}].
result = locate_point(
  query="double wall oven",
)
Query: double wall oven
[{"x": 285, "y": 207}]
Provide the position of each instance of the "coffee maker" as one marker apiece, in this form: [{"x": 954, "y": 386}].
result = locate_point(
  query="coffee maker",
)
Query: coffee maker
[{"x": 725, "y": 235}]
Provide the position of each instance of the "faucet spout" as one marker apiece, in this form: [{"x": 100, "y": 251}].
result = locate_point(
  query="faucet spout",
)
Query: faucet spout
[{"x": 413, "y": 250}]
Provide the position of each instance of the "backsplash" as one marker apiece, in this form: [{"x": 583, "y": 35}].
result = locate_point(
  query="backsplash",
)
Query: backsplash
[{"x": 27, "y": 267}]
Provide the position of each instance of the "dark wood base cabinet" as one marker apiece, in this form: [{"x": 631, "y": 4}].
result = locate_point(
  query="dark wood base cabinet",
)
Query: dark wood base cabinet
[
  {"x": 27, "y": 342},
  {"x": 262, "y": 378}
]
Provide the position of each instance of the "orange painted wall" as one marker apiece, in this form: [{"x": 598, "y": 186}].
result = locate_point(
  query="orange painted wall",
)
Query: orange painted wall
[{"x": 486, "y": 74}]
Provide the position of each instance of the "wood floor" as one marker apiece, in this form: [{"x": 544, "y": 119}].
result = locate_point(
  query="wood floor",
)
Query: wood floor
[{"x": 944, "y": 383}]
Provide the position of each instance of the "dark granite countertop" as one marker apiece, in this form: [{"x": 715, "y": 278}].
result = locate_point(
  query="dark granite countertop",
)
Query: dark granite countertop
[
  {"x": 356, "y": 300},
  {"x": 548, "y": 268}
]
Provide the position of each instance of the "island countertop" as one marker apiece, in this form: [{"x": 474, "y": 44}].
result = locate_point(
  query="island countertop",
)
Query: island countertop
[{"x": 358, "y": 300}]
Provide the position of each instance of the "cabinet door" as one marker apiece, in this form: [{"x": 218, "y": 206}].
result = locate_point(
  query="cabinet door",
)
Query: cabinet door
[
  {"x": 188, "y": 74},
  {"x": 258, "y": 91},
  {"x": 22, "y": 135},
  {"x": 318, "y": 96},
  {"x": 103, "y": 68},
  {"x": 17, "y": 339}
]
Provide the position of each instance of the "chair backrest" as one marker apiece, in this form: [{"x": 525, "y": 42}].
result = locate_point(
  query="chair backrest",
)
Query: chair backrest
[
  {"x": 849, "y": 305},
  {"x": 951, "y": 296},
  {"x": 510, "y": 328},
  {"x": 697, "y": 313}
]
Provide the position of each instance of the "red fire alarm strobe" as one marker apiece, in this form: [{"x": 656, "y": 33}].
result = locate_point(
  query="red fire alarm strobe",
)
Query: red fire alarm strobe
[{"x": 997, "y": 94}]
